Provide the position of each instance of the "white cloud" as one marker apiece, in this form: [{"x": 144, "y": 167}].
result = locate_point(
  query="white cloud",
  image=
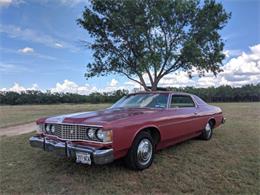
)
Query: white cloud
[
  {"x": 238, "y": 71},
  {"x": 179, "y": 79},
  {"x": 6, "y": 3},
  {"x": 18, "y": 88},
  {"x": 72, "y": 2},
  {"x": 68, "y": 86},
  {"x": 112, "y": 86},
  {"x": 58, "y": 45},
  {"x": 113, "y": 83},
  {"x": 26, "y": 50},
  {"x": 232, "y": 52},
  {"x": 71, "y": 87},
  {"x": 31, "y": 35},
  {"x": 34, "y": 87},
  {"x": 226, "y": 53},
  {"x": 29, "y": 52}
]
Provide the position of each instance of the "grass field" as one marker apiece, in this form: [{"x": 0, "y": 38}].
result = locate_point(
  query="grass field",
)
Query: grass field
[
  {"x": 229, "y": 163},
  {"x": 14, "y": 115}
]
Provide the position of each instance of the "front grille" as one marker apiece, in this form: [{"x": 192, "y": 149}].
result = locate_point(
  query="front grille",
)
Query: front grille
[{"x": 70, "y": 132}]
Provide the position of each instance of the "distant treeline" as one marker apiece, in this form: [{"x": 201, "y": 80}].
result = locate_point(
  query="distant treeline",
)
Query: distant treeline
[
  {"x": 38, "y": 97},
  {"x": 246, "y": 93}
]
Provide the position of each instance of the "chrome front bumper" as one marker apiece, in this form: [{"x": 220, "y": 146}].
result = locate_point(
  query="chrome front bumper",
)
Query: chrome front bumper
[{"x": 68, "y": 149}]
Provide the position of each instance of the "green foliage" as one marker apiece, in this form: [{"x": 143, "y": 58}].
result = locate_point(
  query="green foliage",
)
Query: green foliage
[
  {"x": 154, "y": 37},
  {"x": 245, "y": 93},
  {"x": 38, "y": 97}
]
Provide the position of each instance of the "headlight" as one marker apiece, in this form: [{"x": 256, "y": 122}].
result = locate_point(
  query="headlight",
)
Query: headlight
[
  {"x": 100, "y": 134},
  {"x": 48, "y": 128},
  {"x": 104, "y": 136},
  {"x": 52, "y": 128},
  {"x": 91, "y": 133}
]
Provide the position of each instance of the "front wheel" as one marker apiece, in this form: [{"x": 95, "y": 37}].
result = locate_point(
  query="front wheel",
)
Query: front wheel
[
  {"x": 140, "y": 155},
  {"x": 207, "y": 132}
]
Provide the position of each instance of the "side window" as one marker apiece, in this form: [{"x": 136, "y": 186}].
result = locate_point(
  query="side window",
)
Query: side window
[{"x": 182, "y": 101}]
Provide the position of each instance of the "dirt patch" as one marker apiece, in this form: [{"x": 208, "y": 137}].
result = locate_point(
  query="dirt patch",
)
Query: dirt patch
[{"x": 17, "y": 130}]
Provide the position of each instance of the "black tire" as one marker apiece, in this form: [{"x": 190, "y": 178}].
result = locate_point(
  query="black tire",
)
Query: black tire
[
  {"x": 132, "y": 160},
  {"x": 207, "y": 132}
]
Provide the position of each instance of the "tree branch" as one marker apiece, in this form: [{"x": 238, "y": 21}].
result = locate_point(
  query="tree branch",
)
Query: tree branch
[
  {"x": 142, "y": 81},
  {"x": 169, "y": 50},
  {"x": 127, "y": 75},
  {"x": 149, "y": 75},
  {"x": 172, "y": 69}
]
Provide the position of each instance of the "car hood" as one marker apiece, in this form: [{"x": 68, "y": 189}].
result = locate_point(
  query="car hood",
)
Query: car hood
[{"x": 100, "y": 117}]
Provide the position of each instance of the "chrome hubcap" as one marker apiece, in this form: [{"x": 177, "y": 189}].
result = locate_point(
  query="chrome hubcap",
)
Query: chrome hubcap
[
  {"x": 208, "y": 129},
  {"x": 144, "y": 151}
]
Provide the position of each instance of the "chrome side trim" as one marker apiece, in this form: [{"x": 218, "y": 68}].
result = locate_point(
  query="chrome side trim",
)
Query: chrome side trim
[
  {"x": 194, "y": 100},
  {"x": 169, "y": 100}
]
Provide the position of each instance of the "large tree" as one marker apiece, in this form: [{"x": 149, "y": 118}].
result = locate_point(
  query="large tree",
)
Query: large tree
[{"x": 154, "y": 37}]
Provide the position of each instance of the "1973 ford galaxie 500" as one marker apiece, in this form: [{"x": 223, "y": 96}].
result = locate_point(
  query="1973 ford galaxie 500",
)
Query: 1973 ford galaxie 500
[{"x": 134, "y": 128}]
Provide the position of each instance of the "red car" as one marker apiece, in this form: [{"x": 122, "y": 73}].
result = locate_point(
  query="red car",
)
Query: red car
[{"x": 134, "y": 128}]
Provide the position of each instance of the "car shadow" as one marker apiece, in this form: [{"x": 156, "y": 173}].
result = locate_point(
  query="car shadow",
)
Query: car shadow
[{"x": 70, "y": 164}]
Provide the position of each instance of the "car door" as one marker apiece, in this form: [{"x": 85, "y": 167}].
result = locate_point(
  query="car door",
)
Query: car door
[{"x": 183, "y": 112}]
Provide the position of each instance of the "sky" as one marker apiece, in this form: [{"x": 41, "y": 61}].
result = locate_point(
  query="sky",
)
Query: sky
[{"x": 41, "y": 48}]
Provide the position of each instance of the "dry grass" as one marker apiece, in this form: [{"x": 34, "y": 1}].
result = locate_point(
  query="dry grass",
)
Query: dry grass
[
  {"x": 229, "y": 163},
  {"x": 15, "y": 115}
]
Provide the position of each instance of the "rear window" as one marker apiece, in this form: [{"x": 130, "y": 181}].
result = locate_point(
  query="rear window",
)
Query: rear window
[{"x": 182, "y": 101}]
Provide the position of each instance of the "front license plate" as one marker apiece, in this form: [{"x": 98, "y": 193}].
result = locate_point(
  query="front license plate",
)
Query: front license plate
[{"x": 83, "y": 158}]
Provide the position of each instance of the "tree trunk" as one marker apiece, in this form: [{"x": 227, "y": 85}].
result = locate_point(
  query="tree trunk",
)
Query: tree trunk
[
  {"x": 154, "y": 84},
  {"x": 154, "y": 87},
  {"x": 146, "y": 88}
]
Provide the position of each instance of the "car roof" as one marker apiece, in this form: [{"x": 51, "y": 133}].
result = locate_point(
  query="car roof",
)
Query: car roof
[{"x": 161, "y": 92}]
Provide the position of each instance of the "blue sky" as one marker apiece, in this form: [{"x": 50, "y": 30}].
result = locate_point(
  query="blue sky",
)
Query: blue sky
[{"x": 40, "y": 44}]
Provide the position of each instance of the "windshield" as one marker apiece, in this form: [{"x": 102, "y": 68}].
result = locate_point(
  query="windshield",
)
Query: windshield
[{"x": 143, "y": 101}]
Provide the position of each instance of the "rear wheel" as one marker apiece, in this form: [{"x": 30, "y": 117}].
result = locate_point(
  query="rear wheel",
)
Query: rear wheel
[
  {"x": 140, "y": 155},
  {"x": 208, "y": 131}
]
